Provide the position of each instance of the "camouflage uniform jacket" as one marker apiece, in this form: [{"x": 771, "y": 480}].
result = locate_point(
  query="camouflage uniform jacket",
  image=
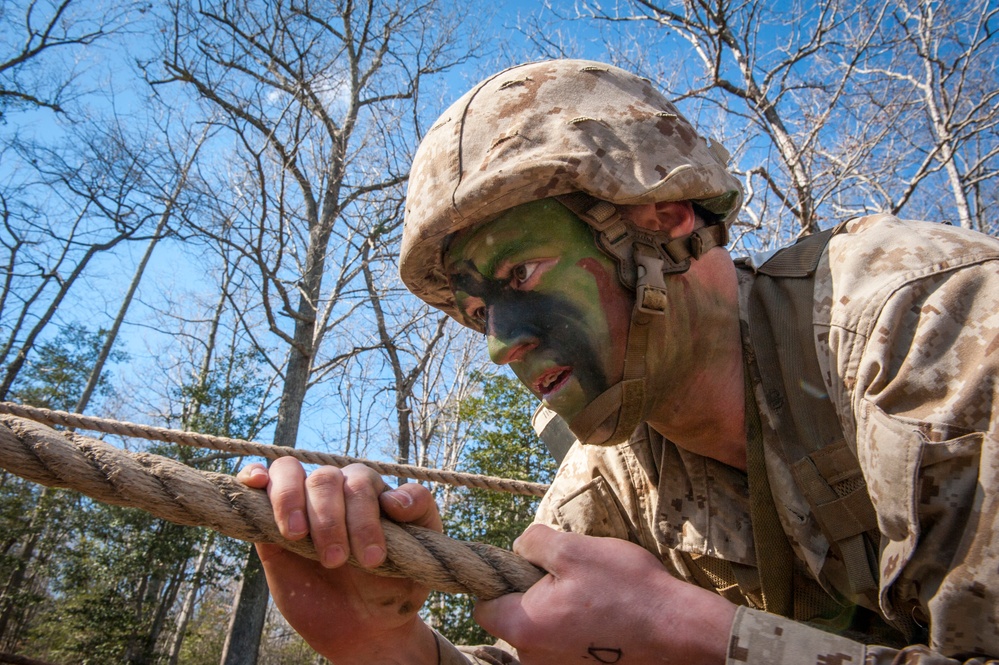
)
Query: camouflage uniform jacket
[{"x": 906, "y": 321}]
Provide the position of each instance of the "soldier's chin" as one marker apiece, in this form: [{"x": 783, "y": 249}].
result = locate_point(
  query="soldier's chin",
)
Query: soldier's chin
[
  {"x": 598, "y": 423},
  {"x": 602, "y": 434}
]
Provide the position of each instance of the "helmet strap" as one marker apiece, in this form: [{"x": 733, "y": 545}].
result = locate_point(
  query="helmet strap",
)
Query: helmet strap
[
  {"x": 626, "y": 399},
  {"x": 643, "y": 261},
  {"x": 620, "y": 240}
]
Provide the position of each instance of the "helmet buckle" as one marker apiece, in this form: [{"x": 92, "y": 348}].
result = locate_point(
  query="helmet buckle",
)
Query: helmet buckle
[{"x": 650, "y": 286}]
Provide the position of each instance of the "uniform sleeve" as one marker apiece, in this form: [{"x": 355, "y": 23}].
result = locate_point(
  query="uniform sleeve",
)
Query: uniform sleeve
[
  {"x": 499, "y": 654},
  {"x": 760, "y": 638},
  {"x": 921, "y": 365}
]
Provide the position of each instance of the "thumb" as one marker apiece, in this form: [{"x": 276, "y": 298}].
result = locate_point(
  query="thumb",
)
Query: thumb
[
  {"x": 270, "y": 553},
  {"x": 502, "y": 617}
]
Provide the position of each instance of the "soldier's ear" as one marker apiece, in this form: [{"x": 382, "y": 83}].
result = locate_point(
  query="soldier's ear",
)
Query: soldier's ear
[{"x": 675, "y": 218}]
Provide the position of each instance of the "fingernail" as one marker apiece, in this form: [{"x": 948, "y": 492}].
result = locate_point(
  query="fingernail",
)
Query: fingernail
[
  {"x": 402, "y": 498},
  {"x": 334, "y": 556},
  {"x": 297, "y": 524},
  {"x": 257, "y": 471},
  {"x": 372, "y": 556}
]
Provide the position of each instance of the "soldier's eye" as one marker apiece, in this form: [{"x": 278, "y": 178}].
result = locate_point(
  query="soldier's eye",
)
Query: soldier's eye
[{"x": 523, "y": 272}]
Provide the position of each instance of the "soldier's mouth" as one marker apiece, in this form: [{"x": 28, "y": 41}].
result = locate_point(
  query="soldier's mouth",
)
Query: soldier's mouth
[{"x": 552, "y": 380}]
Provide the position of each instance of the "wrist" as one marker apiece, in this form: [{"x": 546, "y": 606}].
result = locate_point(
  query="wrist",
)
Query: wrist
[
  {"x": 413, "y": 643},
  {"x": 696, "y": 624}
]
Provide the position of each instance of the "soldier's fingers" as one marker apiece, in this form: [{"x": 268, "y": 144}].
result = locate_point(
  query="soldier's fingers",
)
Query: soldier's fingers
[
  {"x": 286, "y": 490},
  {"x": 325, "y": 509},
  {"x": 412, "y": 503},
  {"x": 362, "y": 486},
  {"x": 554, "y": 551},
  {"x": 254, "y": 475}
]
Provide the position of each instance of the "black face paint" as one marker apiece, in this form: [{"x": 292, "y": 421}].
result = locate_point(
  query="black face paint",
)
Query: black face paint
[
  {"x": 605, "y": 655},
  {"x": 552, "y": 320}
]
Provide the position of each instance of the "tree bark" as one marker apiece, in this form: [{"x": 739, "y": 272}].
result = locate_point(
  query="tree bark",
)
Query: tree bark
[
  {"x": 187, "y": 608},
  {"x": 249, "y": 611}
]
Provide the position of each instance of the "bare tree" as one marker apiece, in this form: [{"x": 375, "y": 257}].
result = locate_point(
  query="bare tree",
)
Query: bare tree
[
  {"x": 304, "y": 90},
  {"x": 170, "y": 194},
  {"x": 766, "y": 69},
  {"x": 831, "y": 109},
  {"x": 85, "y": 199},
  {"x": 441, "y": 434},
  {"x": 937, "y": 85},
  {"x": 407, "y": 361},
  {"x": 37, "y": 39}
]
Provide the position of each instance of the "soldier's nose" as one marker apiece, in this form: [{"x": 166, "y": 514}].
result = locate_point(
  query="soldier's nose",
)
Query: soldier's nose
[{"x": 504, "y": 349}]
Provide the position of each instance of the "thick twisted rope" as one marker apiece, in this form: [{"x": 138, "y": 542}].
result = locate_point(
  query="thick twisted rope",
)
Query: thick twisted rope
[
  {"x": 177, "y": 493},
  {"x": 225, "y": 444}
]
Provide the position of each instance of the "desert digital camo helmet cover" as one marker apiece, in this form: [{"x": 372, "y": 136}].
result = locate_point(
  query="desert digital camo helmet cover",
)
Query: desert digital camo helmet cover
[{"x": 585, "y": 132}]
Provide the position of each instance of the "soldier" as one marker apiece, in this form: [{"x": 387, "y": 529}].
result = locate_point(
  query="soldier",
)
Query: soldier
[{"x": 785, "y": 460}]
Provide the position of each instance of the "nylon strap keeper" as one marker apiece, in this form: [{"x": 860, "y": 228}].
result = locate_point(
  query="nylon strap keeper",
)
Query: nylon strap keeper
[{"x": 650, "y": 287}]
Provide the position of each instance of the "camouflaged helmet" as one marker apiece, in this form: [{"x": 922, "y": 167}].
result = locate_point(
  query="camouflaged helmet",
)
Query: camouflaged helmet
[
  {"x": 549, "y": 129},
  {"x": 594, "y": 137}
]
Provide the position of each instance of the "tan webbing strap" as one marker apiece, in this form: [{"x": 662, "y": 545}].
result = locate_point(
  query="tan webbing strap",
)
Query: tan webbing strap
[
  {"x": 626, "y": 397},
  {"x": 844, "y": 518},
  {"x": 650, "y": 305},
  {"x": 698, "y": 242},
  {"x": 606, "y": 404},
  {"x": 774, "y": 558},
  {"x": 841, "y": 509},
  {"x": 621, "y": 240},
  {"x": 808, "y": 427}
]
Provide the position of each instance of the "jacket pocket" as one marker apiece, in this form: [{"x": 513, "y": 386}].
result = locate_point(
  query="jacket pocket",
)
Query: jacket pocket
[
  {"x": 903, "y": 459},
  {"x": 592, "y": 510}
]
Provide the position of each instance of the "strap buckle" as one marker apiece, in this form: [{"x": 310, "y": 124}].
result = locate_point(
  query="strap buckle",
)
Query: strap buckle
[{"x": 650, "y": 286}]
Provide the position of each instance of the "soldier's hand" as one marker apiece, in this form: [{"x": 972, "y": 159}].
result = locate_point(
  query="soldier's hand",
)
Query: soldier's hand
[
  {"x": 343, "y": 612},
  {"x": 606, "y": 600}
]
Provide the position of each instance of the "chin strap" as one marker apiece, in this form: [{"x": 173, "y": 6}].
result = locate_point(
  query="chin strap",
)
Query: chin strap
[
  {"x": 623, "y": 242},
  {"x": 643, "y": 261},
  {"x": 615, "y": 413}
]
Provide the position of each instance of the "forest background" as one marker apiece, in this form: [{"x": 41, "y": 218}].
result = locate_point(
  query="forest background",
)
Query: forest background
[{"x": 201, "y": 205}]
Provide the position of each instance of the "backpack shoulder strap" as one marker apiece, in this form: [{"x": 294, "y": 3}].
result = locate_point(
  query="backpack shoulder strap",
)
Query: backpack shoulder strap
[
  {"x": 553, "y": 432},
  {"x": 811, "y": 440}
]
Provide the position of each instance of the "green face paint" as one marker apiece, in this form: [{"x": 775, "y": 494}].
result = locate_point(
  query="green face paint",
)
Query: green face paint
[{"x": 549, "y": 301}]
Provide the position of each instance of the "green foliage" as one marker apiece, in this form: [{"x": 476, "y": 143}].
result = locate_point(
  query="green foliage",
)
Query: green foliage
[
  {"x": 84, "y": 582},
  {"x": 227, "y": 401},
  {"x": 59, "y": 369},
  {"x": 501, "y": 443},
  {"x": 205, "y": 636},
  {"x": 94, "y": 626},
  {"x": 39, "y": 526},
  {"x": 111, "y": 587},
  {"x": 106, "y": 588},
  {"x": 36, "y": 527},
  {"x": 17, "y": 501}
]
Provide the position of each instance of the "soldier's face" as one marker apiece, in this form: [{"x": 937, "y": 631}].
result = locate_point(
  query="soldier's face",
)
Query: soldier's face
[{"x": 549, "y": 301}]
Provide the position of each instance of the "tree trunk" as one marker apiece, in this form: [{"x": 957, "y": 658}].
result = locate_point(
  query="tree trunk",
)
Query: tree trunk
[
  {"x": 15, "y": 582},
  {"x": 250, "y": 605},
  {"x": 187, "y": 609},
  {"x": 242, "y": 640},
  {"x": 167, "y": 599}
]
